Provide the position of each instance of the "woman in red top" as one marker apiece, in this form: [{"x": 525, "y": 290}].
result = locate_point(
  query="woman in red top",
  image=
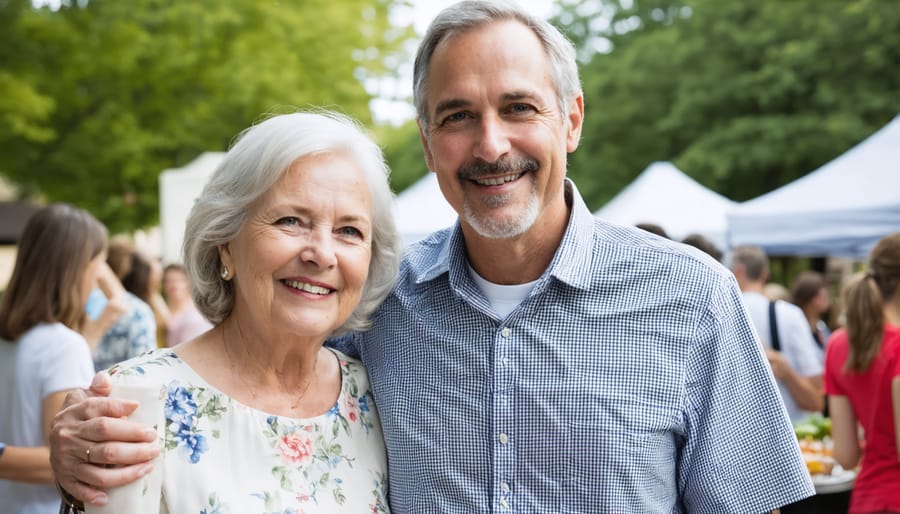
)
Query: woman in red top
[{"x": 862, "y": 379}]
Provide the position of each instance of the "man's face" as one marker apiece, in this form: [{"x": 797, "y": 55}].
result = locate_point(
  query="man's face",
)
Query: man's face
[{"x": 495, "y": 136}]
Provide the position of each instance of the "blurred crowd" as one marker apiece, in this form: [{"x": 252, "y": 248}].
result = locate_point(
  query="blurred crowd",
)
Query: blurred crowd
[{"x": 76, "y": 303}]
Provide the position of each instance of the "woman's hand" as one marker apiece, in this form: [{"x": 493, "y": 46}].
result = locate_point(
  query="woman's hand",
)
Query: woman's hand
[{"x": 93, "y": 447}]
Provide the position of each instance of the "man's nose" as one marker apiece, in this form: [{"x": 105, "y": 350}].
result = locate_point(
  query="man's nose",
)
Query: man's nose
[{"x": 492, "y": 140}]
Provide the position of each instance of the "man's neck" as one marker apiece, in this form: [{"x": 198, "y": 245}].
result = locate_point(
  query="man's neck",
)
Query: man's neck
[
  {"x": 752, "y": 287},
  {"x": 520, "y": 259}
]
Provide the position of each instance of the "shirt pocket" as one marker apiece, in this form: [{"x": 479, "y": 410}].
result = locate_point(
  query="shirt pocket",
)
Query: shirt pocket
[{"x": 623, "y": 449}]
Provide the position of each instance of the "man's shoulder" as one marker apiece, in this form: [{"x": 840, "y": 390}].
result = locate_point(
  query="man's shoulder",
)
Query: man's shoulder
[
  {"x": 425, "y": 258},
  {"x": 630, "y": 248},
  {"x": 790, "y": 313}
]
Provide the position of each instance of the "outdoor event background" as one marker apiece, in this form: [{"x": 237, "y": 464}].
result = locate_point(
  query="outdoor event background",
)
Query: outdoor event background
[{"x": 98, "y": 97}]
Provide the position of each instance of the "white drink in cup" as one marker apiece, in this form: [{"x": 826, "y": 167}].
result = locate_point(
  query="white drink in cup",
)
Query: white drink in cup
[{"x": 141, "y": 496}]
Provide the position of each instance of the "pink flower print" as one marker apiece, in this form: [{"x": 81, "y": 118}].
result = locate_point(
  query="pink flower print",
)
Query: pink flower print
[
  {"x": 352, "y": 408},
  {"x": 295, "y": 448}
]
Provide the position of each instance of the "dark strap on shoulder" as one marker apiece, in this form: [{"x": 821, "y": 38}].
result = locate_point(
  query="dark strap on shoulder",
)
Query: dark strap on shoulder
[{"x": 773, "y": 328}]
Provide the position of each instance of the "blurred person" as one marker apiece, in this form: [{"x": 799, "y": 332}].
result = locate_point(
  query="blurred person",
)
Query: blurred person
[
  {"x": 774, "y": 291},
  {"x": 809, "y": 291},
  {"x": 703, "y": 244},
  {"x": 27, "y": 464},
  {"x": 185, "y": 321},
  {"x": 291, "y": 241},
  {"x": 653, "y": 228},
  {"x": 533, "y": 358},
  {"x": 782, "y": 328},
  {"x": 42, "y": 353},
  {"x": 156, "y": 301},
  {"x": 862, "y": 379},
  {"x": 134, "y": 332}
]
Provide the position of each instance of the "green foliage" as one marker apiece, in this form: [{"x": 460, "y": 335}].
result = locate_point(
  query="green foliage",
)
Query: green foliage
[
  {"x": 101, "y": 96},
  {"x": 743, "y": 96},
  {"x": 403, "y": 153}
]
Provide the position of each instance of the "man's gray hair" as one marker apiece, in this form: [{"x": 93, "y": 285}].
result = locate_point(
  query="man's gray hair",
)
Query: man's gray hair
[
  {"x": 753, "y": 259},
  {"x": 471, "y": 14},
  {"x": 261, "y": 155}
]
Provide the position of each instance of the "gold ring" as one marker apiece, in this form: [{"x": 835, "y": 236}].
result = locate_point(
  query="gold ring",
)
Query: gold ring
[{"x": 87, "y": 453}]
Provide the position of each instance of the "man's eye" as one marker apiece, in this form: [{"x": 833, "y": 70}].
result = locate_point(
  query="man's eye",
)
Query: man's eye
[
  {"x": 520, "y": 108},
  {"x": 455, "y": 117}
]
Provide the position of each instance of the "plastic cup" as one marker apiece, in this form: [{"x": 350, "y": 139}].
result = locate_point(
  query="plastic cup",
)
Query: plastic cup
[{"x": 143, "y": 495}]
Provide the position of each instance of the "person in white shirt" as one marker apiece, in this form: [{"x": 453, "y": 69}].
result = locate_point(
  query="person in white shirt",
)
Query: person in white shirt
[
  {"x": 794, "y": 356},
  {"x": 43, "y": 355}
]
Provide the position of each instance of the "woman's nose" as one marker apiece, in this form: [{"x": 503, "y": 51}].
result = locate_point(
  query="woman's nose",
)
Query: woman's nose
[{"x": 318, "y": 249}]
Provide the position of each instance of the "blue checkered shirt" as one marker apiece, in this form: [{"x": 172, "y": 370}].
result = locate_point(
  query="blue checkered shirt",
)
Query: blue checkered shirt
[{"x": 629, "y": 380}]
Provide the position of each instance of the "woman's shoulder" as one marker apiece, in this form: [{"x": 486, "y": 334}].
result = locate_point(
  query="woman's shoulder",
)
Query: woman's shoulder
[
  {"x": 352, "y": 371},
  {"x": 149, "y": 366},
  {"x": 65, "y": 341}
]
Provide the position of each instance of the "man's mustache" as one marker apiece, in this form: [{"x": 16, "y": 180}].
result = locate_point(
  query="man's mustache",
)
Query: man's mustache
[{"x": 480, "y": 168}]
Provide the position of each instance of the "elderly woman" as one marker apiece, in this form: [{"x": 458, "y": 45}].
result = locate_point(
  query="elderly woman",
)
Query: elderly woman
[{"x": 291, "y": 241}]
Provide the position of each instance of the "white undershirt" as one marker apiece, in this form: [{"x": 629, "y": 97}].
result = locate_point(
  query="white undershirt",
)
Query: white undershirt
[{"x": 503, "y": 299}]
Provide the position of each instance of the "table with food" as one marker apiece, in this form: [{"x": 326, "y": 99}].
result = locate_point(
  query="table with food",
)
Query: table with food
[{"x": 832, "y": 482}]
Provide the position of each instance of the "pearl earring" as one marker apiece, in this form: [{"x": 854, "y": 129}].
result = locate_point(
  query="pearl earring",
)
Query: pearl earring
[{"x": 224, "y": 272}]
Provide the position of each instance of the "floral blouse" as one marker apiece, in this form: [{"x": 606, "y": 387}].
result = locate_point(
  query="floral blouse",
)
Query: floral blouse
[{"x": 222, "y": 457}]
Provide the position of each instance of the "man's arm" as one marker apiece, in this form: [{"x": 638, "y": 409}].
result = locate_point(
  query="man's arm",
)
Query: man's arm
[
  {"x": 806, "y": 391},
  {"x": 89, "y": 434},
  {"x": 739, "y": 453}
]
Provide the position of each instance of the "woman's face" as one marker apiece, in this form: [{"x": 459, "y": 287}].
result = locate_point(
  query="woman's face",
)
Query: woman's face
[
  {"x": 301, "y": 259},
  {"x": 822, "y": 301},
  {"x": 176, "y": 284},
  {"x": 91, "y": 273}
]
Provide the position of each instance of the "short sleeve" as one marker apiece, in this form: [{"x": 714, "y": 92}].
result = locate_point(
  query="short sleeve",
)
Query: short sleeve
[
  {"x": 835, "y": 355},
  {"x": 739, "y": 453},
  {"x": 65, "y": 362},
  {"x": 803, "y": 353}
]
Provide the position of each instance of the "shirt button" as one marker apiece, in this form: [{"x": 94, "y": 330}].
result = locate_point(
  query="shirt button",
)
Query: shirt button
[
  {"x": 504, "y": 487},
  {"x": 505, "y": 361},
  {"x": 505, "y": 332},
  {"x": 504, "y": 504},
  {"x": 504, "y": 438}
]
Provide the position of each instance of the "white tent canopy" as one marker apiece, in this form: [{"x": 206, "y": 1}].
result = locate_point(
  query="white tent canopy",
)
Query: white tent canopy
[
  {"x": 178, "y": 190},
  {"x": 841, "y": 209},
  {"x": 664, "y": 195},
  {"x": 421, "y": 209}
]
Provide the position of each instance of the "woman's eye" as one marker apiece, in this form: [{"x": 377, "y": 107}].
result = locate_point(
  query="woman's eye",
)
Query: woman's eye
[
  {"x": 288, "y": 220},
  {"x": 350, "y": 231}
]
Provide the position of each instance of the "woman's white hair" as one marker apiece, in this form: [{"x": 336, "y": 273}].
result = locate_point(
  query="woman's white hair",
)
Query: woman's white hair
[{"x": 259, "y": 157}]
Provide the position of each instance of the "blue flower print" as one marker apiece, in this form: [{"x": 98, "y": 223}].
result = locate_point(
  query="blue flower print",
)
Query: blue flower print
[
  {"x": 363, "y": 404},
  {"x": 335, "y": 410},
  {"x": 180, "y": 405},
  {"x": 190, "y": 445}
]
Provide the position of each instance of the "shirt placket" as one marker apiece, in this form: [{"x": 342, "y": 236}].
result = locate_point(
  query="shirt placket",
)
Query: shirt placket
[{"x": 504, "y": 436}]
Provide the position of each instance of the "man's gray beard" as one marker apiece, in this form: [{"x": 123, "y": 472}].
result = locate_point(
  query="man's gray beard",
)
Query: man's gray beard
[{"x": 492, "y": 228}]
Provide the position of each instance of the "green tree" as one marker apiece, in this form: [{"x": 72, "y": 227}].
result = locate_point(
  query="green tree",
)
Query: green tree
[
  {"x": 403, "y": 153},
  {"x": 106, "y": 94},
  {"x": 743, "y": 96}
]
